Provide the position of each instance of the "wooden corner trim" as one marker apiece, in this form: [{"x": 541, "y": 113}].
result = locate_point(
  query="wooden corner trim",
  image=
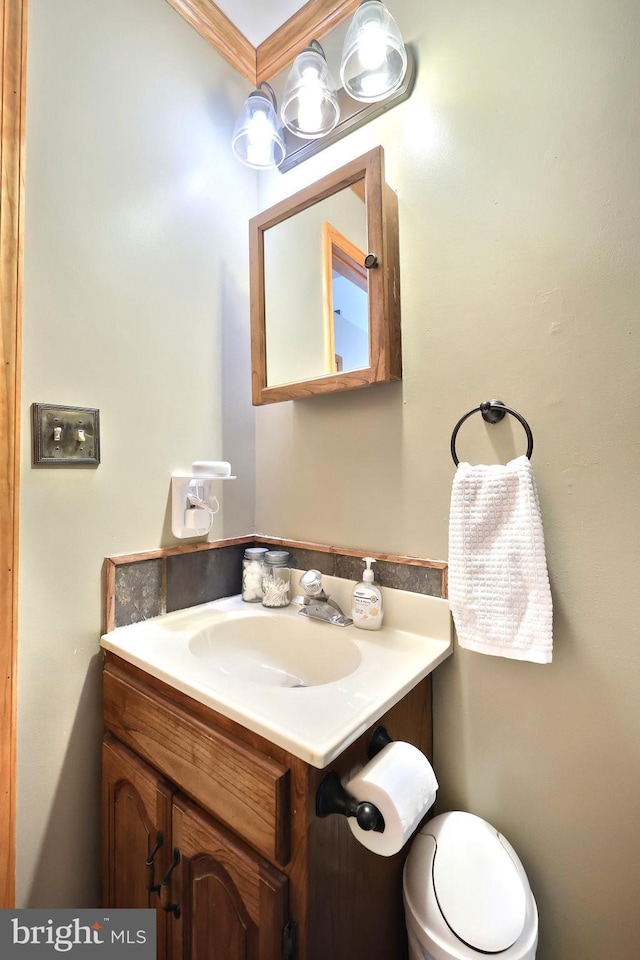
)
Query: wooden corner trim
[
  {"x": 312, "y": 21},
  {"x": 216, "y": 28},
  {"x": 159, "y": 552},
  {"x": 112, "y": 563},
  {"x": 349, "y": 552},
  {"x": 264, "y": 62}
]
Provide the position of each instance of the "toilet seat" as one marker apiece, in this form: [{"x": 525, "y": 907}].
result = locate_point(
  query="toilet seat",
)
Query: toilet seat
[{"x": 466, "y": 893}]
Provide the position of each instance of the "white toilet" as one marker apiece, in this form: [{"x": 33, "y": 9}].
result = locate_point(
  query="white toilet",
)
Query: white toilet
[{"x": 466, "y": 894}]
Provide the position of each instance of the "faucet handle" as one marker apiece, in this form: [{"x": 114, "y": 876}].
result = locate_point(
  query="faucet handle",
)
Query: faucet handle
[{"x": 311, "y": 583}]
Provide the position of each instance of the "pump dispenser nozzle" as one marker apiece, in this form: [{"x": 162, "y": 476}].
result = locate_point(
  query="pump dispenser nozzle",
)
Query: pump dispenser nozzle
[{"x": 367, "y": 576}]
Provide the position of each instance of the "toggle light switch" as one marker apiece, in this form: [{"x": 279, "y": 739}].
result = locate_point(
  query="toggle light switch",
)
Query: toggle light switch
[{"x": 65, "y": 436}]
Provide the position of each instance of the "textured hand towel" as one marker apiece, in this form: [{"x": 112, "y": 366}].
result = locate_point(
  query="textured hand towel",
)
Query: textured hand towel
[{"x": 498, "y": 581}]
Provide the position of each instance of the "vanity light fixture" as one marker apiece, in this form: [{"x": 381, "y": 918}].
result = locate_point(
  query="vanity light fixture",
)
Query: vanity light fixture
[
  {"x": 374, "y": 57},
  {"x": 377, "y": 71},
  {"x": 309, "y": 102},
  {"x": 257, "y": 141}
]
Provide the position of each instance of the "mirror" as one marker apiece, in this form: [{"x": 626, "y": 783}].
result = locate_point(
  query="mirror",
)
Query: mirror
[
  {"x": 306, "y": 263},
  {"x": 325, "y": 290}
]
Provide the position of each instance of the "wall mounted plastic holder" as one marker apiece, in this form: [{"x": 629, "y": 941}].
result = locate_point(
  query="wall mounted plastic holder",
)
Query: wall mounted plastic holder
[{"x": 193, "y": 504}]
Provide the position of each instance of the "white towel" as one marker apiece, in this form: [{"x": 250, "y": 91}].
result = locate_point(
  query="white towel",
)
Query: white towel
[{"x": 498, "y": 581}]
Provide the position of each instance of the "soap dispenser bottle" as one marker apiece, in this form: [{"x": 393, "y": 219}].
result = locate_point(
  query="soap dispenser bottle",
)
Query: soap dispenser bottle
[{"x": 366, "y": 601}]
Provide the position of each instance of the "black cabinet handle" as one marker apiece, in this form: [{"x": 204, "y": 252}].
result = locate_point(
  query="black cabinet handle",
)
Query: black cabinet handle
[
  {"x": 173, "y": 908},
  {"x": 159, "y": 842},
  {"x": 151, "y": 886}
]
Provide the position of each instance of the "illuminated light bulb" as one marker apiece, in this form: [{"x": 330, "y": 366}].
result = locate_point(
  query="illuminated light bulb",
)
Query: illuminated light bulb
[
  {"x": 310, "y": 103},
  {"x": 374, "y": 57},
  {"x": 257, "y": 141},
  {"x": 373, "y": 46},
  {"x": 259, "y": 134}
]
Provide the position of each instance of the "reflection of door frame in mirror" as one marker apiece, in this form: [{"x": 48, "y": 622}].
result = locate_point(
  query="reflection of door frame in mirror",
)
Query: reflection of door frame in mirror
[
  {"x": 385, "y": 358},
  {"x": 339, "y": 255}
]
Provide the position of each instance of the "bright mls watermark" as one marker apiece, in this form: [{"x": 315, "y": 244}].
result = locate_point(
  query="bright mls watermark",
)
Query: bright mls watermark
[{"x": 79, "y": 934}]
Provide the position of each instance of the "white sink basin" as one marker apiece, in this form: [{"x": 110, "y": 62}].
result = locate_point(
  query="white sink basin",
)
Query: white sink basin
[
  {"x": 271, "y": 650},
  {"x": 308, "y": 686}
]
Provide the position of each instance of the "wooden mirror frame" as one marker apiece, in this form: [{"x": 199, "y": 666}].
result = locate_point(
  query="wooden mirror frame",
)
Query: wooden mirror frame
[{"x": 385, "y": 353}]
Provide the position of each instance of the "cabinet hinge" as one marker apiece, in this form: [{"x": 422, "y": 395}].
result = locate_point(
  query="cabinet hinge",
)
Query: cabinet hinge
[{"x": 290, "y": 940}]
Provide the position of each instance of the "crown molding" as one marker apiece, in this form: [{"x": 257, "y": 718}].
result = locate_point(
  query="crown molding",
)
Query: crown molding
[
  {"x": 264, "y": 62},
  {"x": 313, "y": 21},
  {"x": 214, "y": 27}
]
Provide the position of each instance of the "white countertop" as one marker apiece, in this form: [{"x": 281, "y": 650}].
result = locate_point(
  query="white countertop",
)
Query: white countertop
[{"x": 314, "y": 723}]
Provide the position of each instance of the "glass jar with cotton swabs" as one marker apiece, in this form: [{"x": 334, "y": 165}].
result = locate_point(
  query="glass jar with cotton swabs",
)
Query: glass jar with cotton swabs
[{"x": 277, "y": 579}]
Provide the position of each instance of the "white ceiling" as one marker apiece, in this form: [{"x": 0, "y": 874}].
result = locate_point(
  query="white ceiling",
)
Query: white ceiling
[{"x": 257, "y": 19}]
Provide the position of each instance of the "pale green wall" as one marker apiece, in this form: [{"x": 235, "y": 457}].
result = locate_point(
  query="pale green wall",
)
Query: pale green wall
[
  {"x": 516, "y": 167},
  {"x": 515, "y": 163},
  {"x": 136, "y": 302}
]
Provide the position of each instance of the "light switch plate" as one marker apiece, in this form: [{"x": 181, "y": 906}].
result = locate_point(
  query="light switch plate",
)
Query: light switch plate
[{"x": 65, "y": 436}]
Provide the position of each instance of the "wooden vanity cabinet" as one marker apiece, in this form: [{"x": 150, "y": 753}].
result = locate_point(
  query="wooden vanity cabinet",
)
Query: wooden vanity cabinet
[
  {"x": 136, "y": 812},
  {"x": 220, "y": 899},
  {"x": 250, "y": 872},
  {"x": 232, "y": 903}
]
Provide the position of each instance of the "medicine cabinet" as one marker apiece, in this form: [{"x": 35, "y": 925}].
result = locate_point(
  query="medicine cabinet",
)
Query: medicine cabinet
[{"x": 325, "y": 287}]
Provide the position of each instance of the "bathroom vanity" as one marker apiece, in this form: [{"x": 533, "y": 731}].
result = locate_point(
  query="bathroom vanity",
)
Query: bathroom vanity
[{"x": 212, "y": 821}]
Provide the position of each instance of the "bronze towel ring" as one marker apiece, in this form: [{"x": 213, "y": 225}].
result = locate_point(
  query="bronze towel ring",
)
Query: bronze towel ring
[{"x": 492, "y": 412}]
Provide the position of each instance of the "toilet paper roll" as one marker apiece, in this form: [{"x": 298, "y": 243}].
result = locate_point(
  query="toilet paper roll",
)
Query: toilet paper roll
[{"x": 401, "y": 783}]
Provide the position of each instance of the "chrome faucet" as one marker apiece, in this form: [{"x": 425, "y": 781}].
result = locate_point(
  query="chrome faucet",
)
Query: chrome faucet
[{"x": 317, "y": 604}]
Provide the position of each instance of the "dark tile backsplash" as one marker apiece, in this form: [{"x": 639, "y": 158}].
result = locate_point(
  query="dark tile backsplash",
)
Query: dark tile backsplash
[
  {"x": 302, "y": 559},
  {"x": 390, "y": 573},
  {"x": 194, "y": 578},
  {"x": 148, "y": 588},
  {"x": 138, "y": 591}
]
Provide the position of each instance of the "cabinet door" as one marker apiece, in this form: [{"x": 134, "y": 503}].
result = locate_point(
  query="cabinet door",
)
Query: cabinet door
[
  {"x": 136, "y": 821},
  {"x": 233, "y": 905}
]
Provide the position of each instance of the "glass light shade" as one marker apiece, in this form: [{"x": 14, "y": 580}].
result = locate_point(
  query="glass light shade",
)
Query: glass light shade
[
  {"x": 309, "y": 103},
  {"x": 374, "y": 59},
  {"x": 257, "y": 141}
]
